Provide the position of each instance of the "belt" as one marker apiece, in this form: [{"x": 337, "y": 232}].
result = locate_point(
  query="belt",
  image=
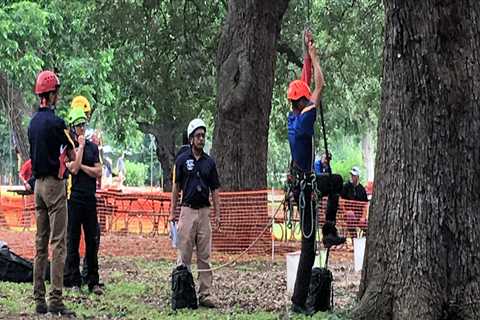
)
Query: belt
[
  {"x": 194, "y": 206},
  {"x": 48, "y": 177}
]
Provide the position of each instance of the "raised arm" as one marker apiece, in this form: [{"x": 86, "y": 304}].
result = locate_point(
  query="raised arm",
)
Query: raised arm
[
  {"x": 318, "y": 75},
  {"x": 307, "y": 61}
]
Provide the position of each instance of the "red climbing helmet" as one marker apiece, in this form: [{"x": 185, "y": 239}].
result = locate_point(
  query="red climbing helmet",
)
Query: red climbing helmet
[{"x": 47, "y": 81}]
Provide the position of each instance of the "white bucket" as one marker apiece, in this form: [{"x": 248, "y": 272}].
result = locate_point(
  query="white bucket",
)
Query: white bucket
[
  {"x": 358, "y": 253},
  {"x": 292, "y": 266}
]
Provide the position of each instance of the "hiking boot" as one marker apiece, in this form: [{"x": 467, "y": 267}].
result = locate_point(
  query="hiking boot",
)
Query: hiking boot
[
  {"x": 41, "y": 307},
  {"x": 60, "y": 310},
  {"x": 330, "y": 235},
  {"x": 96, "y": 289},
  {"x": 297, "y": 309},
  {"x": 207, "y": 302},
  {"x": 333, "y": 240}
]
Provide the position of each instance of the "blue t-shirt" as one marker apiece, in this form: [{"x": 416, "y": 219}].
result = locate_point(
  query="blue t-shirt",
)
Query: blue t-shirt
[
  {"x": 300, "y": 138},
  {"x": 320, "y": 168}
]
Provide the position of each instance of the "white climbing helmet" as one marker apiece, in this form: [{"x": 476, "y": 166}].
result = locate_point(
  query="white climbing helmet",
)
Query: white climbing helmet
[{"x": 194, "y": 125}]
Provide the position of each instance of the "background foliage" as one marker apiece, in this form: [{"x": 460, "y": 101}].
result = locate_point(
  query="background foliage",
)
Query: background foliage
[{"x": 148, "y": 68}]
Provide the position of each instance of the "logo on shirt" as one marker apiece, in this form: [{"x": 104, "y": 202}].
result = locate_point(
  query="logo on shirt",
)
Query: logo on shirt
[{"x": 190, "y": 164}]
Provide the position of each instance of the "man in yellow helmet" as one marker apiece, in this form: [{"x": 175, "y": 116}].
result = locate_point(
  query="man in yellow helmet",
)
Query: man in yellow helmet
[
  {"x": 82, "y": 103},
  {"x": 82, "y": 210}
]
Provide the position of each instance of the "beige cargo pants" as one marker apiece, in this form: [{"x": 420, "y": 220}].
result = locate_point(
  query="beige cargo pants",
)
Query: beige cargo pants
[{"x": 194, "y": 229}]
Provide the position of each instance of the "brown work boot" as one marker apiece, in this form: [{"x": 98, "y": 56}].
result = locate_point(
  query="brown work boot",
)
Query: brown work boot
[
  {"x": 207, "y": 301},
  {"x": 61, "y": 310},
  {"x": 41, "y": 307},
  {"x": 96, "y": 289}
]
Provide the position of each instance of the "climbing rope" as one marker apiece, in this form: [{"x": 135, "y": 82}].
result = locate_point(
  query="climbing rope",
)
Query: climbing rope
[{"x": 301, "y": 206}]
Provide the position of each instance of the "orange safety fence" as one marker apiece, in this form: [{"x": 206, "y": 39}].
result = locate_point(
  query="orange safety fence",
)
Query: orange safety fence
[{"x": 245, "y": 216}]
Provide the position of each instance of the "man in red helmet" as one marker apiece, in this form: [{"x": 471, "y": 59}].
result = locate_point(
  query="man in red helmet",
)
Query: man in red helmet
[
  {"x": 301, "y": 122},
  {"x": 50, "y": 144}
]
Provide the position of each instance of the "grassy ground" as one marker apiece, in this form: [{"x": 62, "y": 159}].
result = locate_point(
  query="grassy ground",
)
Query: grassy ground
[{"x": 140, "y": 289}]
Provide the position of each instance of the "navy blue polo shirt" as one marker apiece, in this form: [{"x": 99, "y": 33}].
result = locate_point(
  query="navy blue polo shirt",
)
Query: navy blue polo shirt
[
  {"x": 300, "y": 137},
  {"x": 84, "y": 187},
  {"x": 47, "y": 135},
  {"x": 196, "y": 178}
]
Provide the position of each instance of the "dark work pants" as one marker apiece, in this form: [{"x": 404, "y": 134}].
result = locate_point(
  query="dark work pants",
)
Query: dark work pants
[
  {"x": 85, "y": 262},
  {"x": 330, "y": 185},
  {"x": 307, "y": 254},
  {"x": 81, "y": 214}
]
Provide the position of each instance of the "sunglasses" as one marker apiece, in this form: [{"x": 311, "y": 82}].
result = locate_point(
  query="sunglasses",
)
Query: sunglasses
[{"x": 80, "y": 125}]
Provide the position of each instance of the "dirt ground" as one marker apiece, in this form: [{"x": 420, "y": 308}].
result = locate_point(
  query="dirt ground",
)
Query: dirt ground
[{"x": 253, "y": 284}]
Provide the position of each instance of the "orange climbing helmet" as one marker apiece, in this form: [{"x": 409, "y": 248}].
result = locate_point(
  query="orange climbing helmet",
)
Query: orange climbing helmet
[{"x": 298, "y": 89}]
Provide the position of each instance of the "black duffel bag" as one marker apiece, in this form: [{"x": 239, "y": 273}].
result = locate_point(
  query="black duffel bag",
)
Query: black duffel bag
[
  {"x": 183, "y": 289},
  {"x": 14, "y": 268}
]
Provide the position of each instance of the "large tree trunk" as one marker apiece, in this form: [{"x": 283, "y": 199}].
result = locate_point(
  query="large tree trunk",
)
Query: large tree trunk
[
  {"x": 245, "y": 75},
  {"x": 422, "y": 259},
  {"x": 15, "y": 107}
]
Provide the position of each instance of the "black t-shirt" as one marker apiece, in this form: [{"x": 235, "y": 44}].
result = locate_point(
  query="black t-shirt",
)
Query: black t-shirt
[
  {"x": 48, "y": 136},
  {"x": 182, "y": 149},
  {"x": 351, "y": 192},
  {"x": 196, "y": 178},
  {"x": 84, "y": 186}
]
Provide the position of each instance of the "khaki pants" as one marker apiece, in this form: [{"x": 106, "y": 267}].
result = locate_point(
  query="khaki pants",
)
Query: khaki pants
[
  {"x": 51, "y": 215},
  {"x": 194, "y": 229}
]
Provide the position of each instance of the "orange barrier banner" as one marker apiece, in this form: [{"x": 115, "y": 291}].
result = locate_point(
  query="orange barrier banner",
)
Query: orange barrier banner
[{"x": 244, "y": 217}]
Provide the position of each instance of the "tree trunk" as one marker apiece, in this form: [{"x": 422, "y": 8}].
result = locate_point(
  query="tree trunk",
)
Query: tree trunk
[
  {"x": 165, "y": 148},
  {"x": 15, "y": 108},
  {"x": 245, "y": 75},
  {"x": 422, "y": 259},
  {"x": 165, "y": 153}
]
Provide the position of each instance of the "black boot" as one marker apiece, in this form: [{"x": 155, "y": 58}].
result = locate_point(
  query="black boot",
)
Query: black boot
[
  {"x": 330, "y": 235},
  {"x": 297, "y": 309}
]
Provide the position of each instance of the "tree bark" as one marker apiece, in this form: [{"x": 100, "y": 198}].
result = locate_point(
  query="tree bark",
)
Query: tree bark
[
  {"x": 422, "y": 259},
  {"x": 165, "y": 149},
  {"x": 245, "y": 76},
  {"x": 15, "y": 108}
]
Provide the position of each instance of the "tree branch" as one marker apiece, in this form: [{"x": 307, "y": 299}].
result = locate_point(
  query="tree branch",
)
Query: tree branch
[{"x": 291, "y": 55}]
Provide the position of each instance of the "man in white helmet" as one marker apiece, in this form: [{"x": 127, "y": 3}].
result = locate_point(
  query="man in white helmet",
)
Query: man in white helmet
[{"x": 196, "y": 175}]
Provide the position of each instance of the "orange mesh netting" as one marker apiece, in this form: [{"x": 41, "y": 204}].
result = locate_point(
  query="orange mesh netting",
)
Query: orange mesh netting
[{"x": 136, "y": 222}]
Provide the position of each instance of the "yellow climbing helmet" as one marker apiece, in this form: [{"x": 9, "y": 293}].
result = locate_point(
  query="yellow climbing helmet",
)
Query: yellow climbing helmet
[{"x": 81, "y": 102}]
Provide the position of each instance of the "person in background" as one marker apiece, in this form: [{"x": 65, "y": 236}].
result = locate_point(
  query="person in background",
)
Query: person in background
[
  {"x": 356, "y": 217},
  {"x": 26, "y": 176},
  {"x": 322, "y": 165},
  {"x": 353, "y": 189},
  {"x": 121, "y": 169}
]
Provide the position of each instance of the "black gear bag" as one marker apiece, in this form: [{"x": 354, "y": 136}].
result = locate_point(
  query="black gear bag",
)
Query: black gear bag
[
  {"x": 183, "y": 289},
  {"x": 320, "y": 293},
  {"x": 14, "y": 268}
]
